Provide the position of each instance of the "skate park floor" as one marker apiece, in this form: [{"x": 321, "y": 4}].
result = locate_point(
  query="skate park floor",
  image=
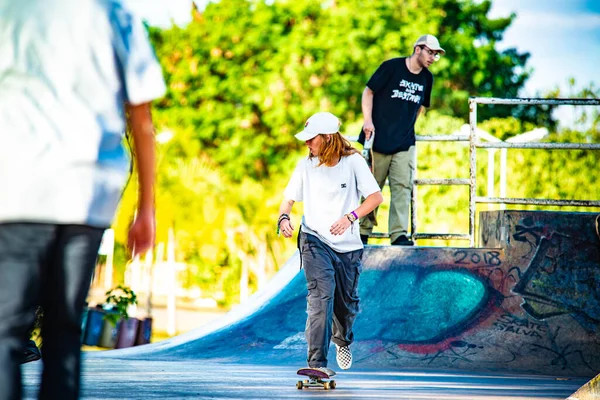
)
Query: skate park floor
[
  {"x": 114, "y": 378},
  {"x": 435, "y": 323}
]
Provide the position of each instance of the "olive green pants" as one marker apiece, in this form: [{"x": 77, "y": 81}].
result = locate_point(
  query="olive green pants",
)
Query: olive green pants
[{"x": 399, "y": 169}]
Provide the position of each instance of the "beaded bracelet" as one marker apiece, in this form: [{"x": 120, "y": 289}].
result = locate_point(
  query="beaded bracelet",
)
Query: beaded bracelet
[{"x": 281, "y": 218}]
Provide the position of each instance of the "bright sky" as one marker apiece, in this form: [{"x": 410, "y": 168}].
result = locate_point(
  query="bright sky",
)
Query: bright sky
[{"x": 562, "y": 36}]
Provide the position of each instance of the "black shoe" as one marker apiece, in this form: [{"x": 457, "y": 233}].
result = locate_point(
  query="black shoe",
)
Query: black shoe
[
  {"x": 31, "y": 352},
  {"x": 403, "y": 241},
  {"x": 364, "y": 239}
]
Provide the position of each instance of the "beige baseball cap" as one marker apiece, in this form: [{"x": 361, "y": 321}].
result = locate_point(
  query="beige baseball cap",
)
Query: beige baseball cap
[
  {"x": 321, "y": 122},
  {"x": 431, "y": 42}
]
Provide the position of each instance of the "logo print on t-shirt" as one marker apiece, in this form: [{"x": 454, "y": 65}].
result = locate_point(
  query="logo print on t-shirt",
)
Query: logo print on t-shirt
[
  {"x": 408, "y": 91},
  {"x": 343, "y": 186}
]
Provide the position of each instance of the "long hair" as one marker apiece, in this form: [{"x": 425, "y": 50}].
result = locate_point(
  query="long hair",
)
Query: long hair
[{"x": 333, "y": 148}]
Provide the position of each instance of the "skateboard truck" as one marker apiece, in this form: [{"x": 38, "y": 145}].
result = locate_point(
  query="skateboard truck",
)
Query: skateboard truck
[{"x": 316, "y": 377}]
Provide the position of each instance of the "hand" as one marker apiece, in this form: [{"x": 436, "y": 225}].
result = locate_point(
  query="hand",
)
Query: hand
[
  {"x": 141, "y": 233},
  {"x": 340, "y": 226},
  {"x": 286, "y": 228},
  {"x": 368, "y": 129}
]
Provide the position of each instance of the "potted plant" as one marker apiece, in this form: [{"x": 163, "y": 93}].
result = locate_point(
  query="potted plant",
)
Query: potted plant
[
  {"x": 117, "y": 322},
  {"x": 92, "y": 322}
]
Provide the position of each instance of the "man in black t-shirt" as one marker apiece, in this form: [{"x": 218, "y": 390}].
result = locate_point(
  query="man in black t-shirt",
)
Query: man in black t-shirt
[{"x": 394, "y": 97}]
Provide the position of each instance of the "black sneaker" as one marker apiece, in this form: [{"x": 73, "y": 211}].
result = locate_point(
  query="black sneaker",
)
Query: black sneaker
[
  {"x": 31, "y": 352},
  {"x": 364, "y": 238},
  {"x": 403, "y": 241}
]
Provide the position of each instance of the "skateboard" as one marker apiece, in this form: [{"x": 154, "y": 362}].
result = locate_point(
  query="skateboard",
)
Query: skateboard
[{"x": 315, "y": 379}]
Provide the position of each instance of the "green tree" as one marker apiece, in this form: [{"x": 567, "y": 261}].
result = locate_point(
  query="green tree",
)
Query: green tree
[{"x": 246, "y": 74}]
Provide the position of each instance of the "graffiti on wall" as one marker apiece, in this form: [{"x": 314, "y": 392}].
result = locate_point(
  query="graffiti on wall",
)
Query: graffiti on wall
[
  {"x": 551, "y": 274},
  {"x": 563, "y": 277}
]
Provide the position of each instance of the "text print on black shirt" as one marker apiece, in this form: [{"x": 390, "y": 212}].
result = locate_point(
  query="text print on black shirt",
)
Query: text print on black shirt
[{"x": 408, "y": 90}]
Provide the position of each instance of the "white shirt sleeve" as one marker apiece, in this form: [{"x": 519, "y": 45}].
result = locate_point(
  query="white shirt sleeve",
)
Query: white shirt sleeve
[
  {"x": 141, "y": 72},
  {"x": 365, "y": 181},
  {"x": 295, "y": 188}
]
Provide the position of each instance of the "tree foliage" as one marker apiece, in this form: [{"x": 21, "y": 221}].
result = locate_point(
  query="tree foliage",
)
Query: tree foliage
[{"x": 246, "y": 74}]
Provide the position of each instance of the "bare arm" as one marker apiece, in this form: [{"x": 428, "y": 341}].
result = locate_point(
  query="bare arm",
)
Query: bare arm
[
  {"x": 341, "y": 225},
  {"x": 422, "y": 110},
  {"x": 371, "y": 202},
  {"x": 367, "y": 110},
  {"x": 142, "y": 230},
  {"x": 285, "y": 226}
]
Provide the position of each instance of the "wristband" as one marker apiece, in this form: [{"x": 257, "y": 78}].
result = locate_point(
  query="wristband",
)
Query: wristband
[
  {"x": 351, "y": 217},
  {"x": 355, "y": 215},
  {"x": 281, "y": 218}
]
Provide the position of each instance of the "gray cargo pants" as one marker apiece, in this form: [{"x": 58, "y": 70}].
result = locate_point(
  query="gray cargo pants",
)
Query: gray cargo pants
[{"x": 332, "y": 300}]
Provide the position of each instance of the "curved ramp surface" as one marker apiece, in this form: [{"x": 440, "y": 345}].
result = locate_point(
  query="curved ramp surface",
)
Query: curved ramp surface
[
  {"x": 522, "y": 315},
  {"x": 450, "y": 309}
]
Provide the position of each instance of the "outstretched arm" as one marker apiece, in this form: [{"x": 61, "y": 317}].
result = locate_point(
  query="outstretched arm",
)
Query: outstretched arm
[{"x": 142, "y": 230}]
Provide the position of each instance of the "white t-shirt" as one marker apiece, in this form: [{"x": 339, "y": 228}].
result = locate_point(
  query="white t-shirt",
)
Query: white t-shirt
[
  {"x": 66, "y": 69},
  {"x": 329, "y": 193}
]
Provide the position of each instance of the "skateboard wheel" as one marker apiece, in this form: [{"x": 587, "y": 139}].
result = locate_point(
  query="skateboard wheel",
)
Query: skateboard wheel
[
  {"x": 326, "y": 385},
  {"x": 332, "y": 384},
  {"x": 299, "y": 385}
]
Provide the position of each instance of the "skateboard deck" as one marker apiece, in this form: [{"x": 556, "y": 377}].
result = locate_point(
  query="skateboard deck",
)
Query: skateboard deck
[{"x": 316, "y": 379}]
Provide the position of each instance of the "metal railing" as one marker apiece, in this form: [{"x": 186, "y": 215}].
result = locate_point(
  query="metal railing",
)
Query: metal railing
[
  {"x": 474, "y": 144},
  {"x": 436, "y": 181}
]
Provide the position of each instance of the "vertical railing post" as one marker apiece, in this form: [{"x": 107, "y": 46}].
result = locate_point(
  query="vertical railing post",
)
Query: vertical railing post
[
  {"x": 491, "y": 172},
  {"x": 472, "y": 169},
  {"x": 503, "y": 155}
]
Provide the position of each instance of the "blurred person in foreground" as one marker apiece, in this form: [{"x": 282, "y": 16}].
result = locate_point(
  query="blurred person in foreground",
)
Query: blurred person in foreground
[
  {"x": 70, "y": 71},
  {"x": 394, "y": 97},
  {"x": 330, "y": 182}
]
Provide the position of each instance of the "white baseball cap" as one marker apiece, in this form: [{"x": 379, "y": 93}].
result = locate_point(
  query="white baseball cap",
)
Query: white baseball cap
[
  {"x": 321, "y": 122},
  {"x": 431, "y": 42}
]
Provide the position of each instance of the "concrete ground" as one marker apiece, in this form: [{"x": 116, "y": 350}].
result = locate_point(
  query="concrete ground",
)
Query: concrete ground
[
  {"x": 112, "y": 378},
  {"x": 428, "y": 317}
]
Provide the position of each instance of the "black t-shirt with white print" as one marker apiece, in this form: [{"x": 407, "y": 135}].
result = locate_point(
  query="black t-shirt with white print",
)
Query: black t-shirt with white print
[{"x": 398, "y": 95}]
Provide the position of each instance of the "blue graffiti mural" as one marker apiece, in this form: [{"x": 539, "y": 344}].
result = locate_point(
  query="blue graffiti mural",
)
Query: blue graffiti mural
[{"x": 423, "y": 305}]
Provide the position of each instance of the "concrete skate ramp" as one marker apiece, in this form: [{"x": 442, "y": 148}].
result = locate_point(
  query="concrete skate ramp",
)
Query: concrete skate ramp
[{"x": 454, "y": 309}]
